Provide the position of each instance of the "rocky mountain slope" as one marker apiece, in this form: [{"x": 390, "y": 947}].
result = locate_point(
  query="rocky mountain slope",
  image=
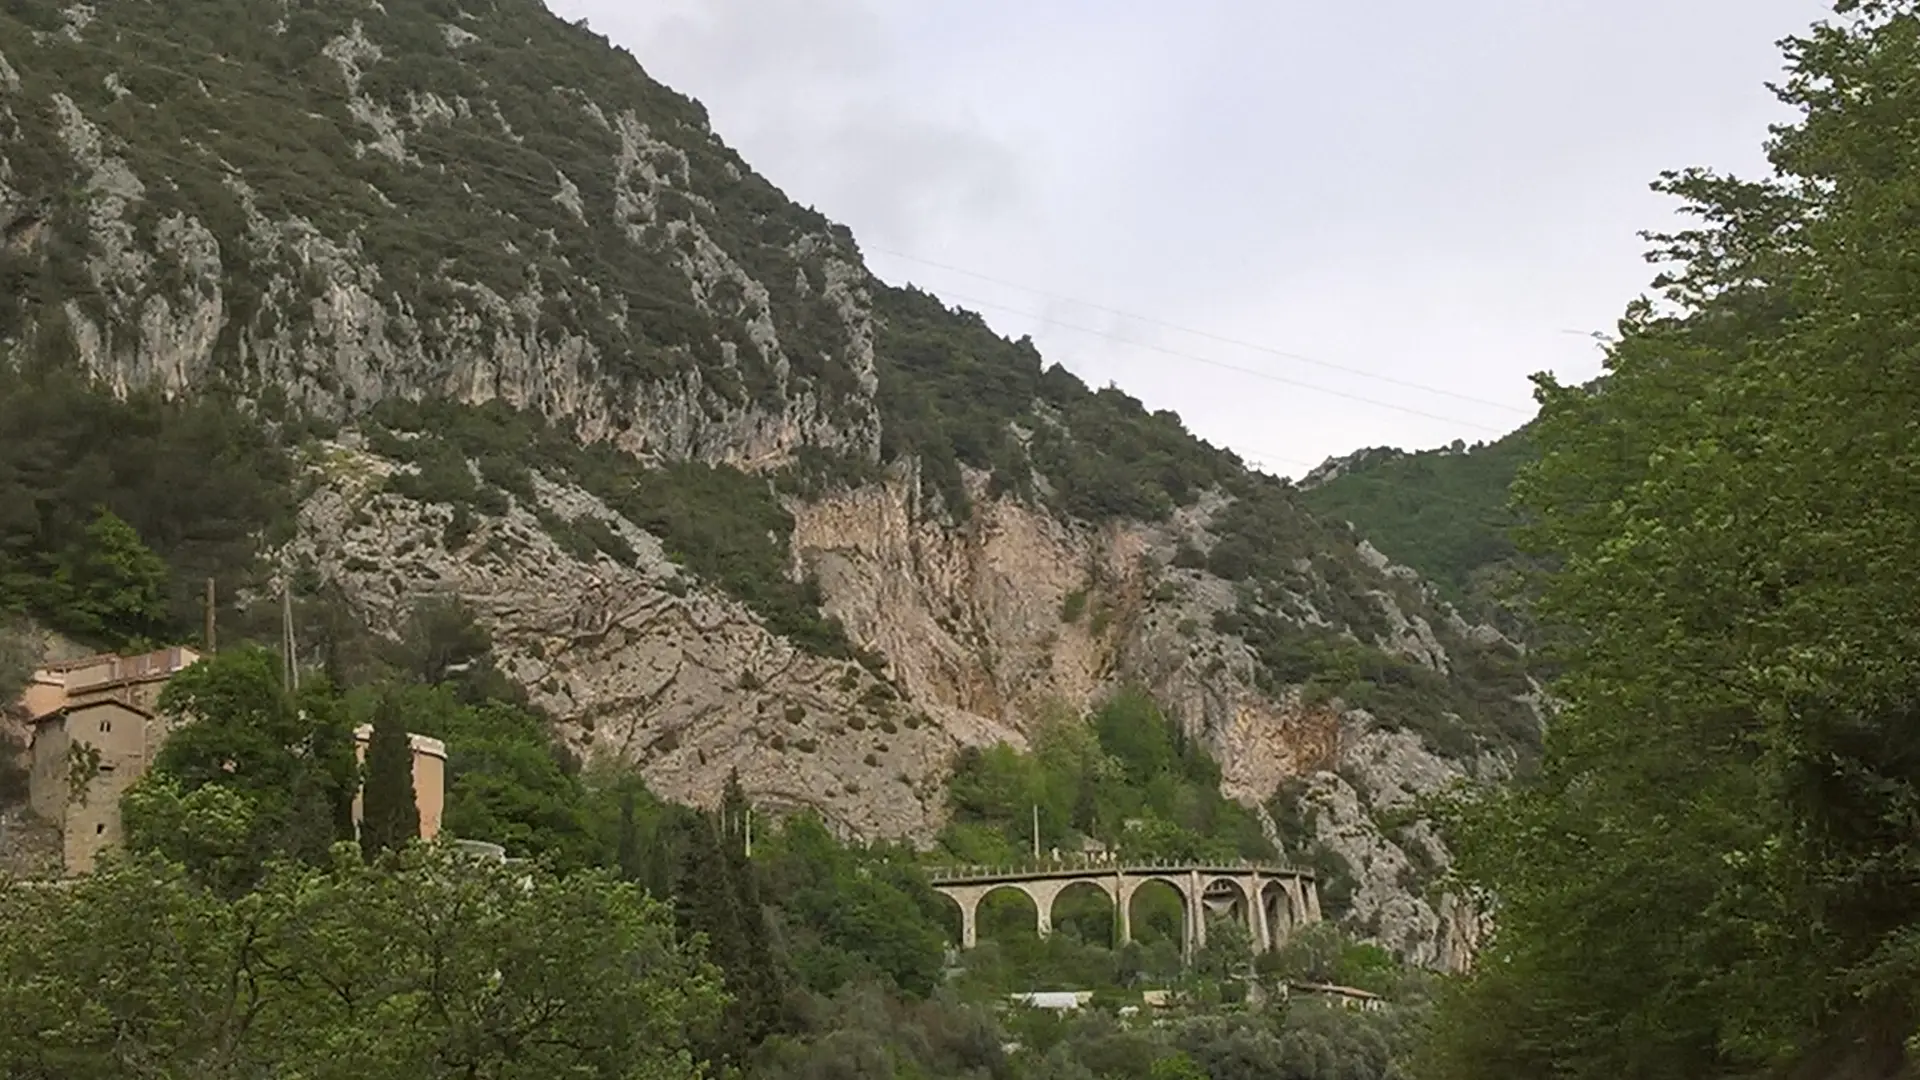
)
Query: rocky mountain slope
[
  {"x": 723, "y": 499},
  {"x": 1443, "y": 512}
]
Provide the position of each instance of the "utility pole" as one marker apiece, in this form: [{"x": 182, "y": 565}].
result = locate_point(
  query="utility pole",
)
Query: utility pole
[
  {"x": 1036, "y": 832},
  {"x": 209, "y": 632},
  {"x": 749, "y": 832},
  {"x": 286, "y": 636}
]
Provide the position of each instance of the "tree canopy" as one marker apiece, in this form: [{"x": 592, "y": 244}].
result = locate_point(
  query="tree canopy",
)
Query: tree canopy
[
  {"x": 432, "y": 966},
  {"x": 1717, "y": 872}
]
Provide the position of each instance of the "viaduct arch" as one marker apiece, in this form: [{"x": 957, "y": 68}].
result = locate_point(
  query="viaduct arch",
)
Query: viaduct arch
[{"x": 1272, "y": 899}]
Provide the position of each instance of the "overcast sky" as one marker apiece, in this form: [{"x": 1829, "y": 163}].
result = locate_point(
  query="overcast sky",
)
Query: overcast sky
[{"x": 1234, "y": 208}]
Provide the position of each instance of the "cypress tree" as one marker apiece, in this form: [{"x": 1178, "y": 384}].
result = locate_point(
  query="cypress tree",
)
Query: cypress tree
[
  {"x": 703, "y": 902},
  {"x": 389, "y": 817},
  {"x": 627, "y": 853},
  {"x": 762, "y": 999}
]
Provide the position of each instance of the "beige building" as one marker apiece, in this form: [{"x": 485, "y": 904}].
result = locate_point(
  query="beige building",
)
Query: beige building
[
  {"x": 95, "y": 732},
  {"x": 429, "y": 778}
]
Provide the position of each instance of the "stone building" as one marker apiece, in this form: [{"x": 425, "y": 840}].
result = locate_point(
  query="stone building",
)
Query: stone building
[{"x": 95, "y": 731}]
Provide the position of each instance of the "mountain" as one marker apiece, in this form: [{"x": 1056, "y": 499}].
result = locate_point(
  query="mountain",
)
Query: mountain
[
  {"x": 395, "y": 301},
  {"x": 1443, "y": 512}
]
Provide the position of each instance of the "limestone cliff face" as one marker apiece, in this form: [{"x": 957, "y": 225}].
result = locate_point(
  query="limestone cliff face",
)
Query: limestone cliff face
[
  {"x": 474, "y": 202},
  {"x": 984, "y": 627},
  {"x": 637, "y": 662},
  {"x": 1020, "y": 610}
]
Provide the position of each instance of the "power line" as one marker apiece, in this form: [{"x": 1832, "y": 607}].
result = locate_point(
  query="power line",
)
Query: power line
[
  {"x": 1221, "y": 338},
  {"x": 1255, "y": 372}
]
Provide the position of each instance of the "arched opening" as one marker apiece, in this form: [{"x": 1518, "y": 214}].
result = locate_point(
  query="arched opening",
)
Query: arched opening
[
  {"x": 1008, "y": 915},
  {"x": 1157, "y": 917},
  {"x": 1230, "y": 942},
  {"x": 1083, "y": 912},
  {"x": 1276, "y": 907},
  {"x": 952, "y": 921},
  {"x": 1225, "y": 900}
]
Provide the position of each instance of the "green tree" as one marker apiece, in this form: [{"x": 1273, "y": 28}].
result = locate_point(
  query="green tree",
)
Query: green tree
[
  {"x": 110, "y": 584},
  {"x": 19, "y": 652},
  {"x": 707, "y": 909},
  {"x": 1714, "y": 874},
  {"x": 425, "y": 966},
  {"x": 852, "y": 915},
  {"x": 287, "y": 759},
  {"x": 441, "y": 640},
  {"x": 760, "y": 988},
  {"x": 390, "y": 815},
  {"x": 508, "y": 782}
]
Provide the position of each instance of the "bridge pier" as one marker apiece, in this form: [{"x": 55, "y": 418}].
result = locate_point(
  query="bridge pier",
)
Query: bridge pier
[
  {"x": 1257, "y": 926},
  {"x": 1196, "y": 915}
]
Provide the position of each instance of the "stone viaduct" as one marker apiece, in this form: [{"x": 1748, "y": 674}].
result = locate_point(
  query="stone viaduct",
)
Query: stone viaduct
[{"x": 1272, "y": 900}]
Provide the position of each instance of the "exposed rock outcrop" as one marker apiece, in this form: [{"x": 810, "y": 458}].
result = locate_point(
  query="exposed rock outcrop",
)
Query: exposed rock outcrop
[{"x": 984, "y": 627}]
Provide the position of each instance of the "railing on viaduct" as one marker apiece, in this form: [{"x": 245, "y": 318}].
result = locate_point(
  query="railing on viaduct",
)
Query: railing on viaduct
[{"x": 1080, "y": 865}]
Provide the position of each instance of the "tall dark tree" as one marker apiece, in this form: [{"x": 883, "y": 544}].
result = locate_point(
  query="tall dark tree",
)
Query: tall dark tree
[
  {"x": 19, "y": 652},
  {"x": 704, "y": 905},
  {"x": 763, "y": 987},
  {"x": 389, "y": 815},
  {"x": 629, "y": 854}
]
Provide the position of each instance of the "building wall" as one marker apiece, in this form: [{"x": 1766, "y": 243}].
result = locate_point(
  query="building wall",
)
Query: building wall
[
  {"x": 90, "y": 819},
  {"x": 106, "y": 702},
  {"x": 430, "y": 784},
  {"x": 47, "y": 778},
  {"x": 45, "y": 693},
  {"x": 93, "y": 823},
  {"x": 136, "y": 680},
  {"x": 429, "y": 778}
]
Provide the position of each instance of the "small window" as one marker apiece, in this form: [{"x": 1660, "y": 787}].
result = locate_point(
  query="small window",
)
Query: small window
[
  {"x": 106, "y": 726},
  {"x": 98, "y": 829}
]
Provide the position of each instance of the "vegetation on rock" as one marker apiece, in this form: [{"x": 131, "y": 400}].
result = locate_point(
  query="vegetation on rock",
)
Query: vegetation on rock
[
  {"x": 1445, "y": 513},
  {"x": 1125, "y": 778},
  {"x": 114, "y": 512}
]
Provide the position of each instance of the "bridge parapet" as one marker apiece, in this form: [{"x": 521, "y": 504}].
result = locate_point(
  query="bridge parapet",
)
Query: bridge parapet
[{"x": 1081, "y": 867}]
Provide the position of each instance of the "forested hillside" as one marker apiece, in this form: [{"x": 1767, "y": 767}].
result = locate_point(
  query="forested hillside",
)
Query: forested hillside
[
  {"x": 240, "y": 935},
  {"x": 1445, "y": 512}
]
